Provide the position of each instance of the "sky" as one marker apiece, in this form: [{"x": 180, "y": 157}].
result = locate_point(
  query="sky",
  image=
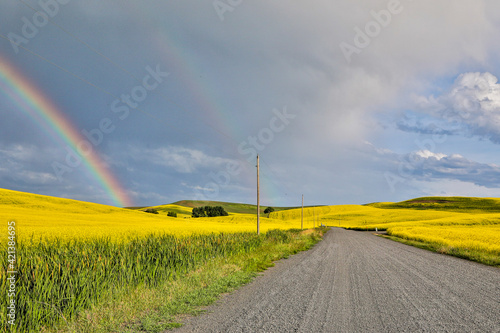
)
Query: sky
[{"x": 346, "y": 102}]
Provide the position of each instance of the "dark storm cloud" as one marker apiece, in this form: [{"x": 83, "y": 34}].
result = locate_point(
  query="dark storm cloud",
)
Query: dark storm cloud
[{"x": 228, "y": 75}]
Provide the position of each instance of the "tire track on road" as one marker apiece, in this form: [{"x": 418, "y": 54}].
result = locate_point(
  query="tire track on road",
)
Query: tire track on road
[{"x": 357, "y": 282}]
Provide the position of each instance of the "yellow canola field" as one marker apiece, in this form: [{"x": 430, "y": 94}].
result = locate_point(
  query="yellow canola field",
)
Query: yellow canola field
[
  {"x": 180, "y": 210},
  {"x": 38, "y": 216},
  {"x": 49, "y": 217},
  {"x": 481, "y": 238},
  {"x": 365, "y": 217},
  {"x": 461, "y": 230}
]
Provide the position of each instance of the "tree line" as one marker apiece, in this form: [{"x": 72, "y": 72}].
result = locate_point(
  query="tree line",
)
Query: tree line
[{"x": 209, "y": 211}]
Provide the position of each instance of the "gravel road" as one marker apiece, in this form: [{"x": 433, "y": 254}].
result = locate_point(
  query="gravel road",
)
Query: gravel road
[{"x": 357, "y": 282}]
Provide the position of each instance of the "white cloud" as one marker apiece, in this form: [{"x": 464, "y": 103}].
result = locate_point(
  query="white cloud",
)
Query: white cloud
[
  {"x": 181, "y": 159},
  {"x": 429, "y": 154},
  {"x": 20, "y": 153},
  {"x": 264, "y": 55},
  {"x": 34, "y": 177},
  {"x": 26, "y": 166},
  {"x": 424, "y": 165},
  {"x": 453, "y": 187},
  {"x": 472, "y": 104}
]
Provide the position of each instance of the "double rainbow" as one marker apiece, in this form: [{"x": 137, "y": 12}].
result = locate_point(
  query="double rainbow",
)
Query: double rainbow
[{"x": 45, "y": 114}]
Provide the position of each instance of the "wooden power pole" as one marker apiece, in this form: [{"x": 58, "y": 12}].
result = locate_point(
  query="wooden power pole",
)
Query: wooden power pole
[
  {"x": 258, "y": 198},
  {"x": 302, "y": 215}
]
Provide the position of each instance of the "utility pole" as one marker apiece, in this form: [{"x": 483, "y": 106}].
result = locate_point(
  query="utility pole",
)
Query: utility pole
[
  {"x": 258, "y": 198},
  {"x": 314, "y": 217},
  {"x": 302, "y": 215}
]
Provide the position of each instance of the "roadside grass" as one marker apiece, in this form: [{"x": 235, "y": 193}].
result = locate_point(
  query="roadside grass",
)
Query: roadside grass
[
  {"x": 460, "y": 226},
  {"x": 74, "y": 256},
  {"x": 482, "y": 257},
  {"x": 162, "y": 307}
]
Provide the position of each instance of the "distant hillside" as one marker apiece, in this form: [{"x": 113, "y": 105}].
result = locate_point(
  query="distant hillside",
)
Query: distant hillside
[
  {"x": 230, "y": 207},
  {"x": 453, "y": 204},
  {"x": 181, "y": 211},
  {"x": 40, "y": 217}
]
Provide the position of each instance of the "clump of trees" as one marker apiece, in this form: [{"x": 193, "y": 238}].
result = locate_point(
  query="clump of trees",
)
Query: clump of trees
[
  {"x": 151, "y": 210},
  {"x": 172, "y": 214},
  {"x": 268, "y": 211},
  {"x": 209, "y": 211}
]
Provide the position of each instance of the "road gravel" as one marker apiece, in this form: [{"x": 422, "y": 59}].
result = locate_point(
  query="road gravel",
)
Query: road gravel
[{"x": 358, "y": 282}]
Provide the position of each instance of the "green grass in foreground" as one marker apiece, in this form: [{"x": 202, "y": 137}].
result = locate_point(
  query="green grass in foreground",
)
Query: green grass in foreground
[
  {"x": 477, "y": 256},
  {"x": 157, "y": 308}
]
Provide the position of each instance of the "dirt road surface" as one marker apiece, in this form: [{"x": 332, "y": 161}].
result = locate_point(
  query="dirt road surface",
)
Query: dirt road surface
[{"x": 357, "y": 282}]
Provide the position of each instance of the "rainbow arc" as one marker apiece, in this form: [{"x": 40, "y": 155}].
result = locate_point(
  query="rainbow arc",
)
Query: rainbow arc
[{"x": 45, "y": 114}]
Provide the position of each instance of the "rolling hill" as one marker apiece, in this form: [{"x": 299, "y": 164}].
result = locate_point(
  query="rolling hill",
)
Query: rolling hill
[
  {"x": 452, "y": 204},
  {"x": 465, "y": 224}
]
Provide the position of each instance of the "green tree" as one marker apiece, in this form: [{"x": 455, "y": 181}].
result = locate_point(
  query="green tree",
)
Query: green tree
[
  {"x": 268, "y": 211},
  {"x": 210, "y": 211},
  {"x": 198, "y": 212}
]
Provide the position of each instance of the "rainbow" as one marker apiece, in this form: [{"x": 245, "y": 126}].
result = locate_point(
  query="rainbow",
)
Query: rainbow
[
  {"x": 46, "y": 115},
  {"x": 185, "y": 69}
]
